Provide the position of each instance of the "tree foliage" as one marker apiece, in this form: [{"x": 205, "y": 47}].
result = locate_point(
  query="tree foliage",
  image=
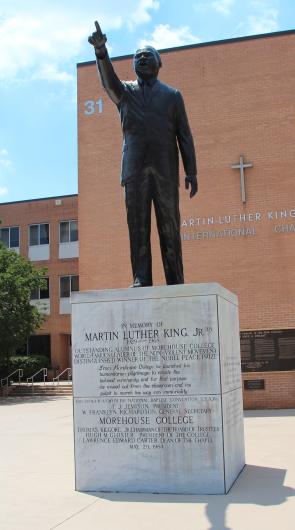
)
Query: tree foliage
[{"x": 18, "y": 318}]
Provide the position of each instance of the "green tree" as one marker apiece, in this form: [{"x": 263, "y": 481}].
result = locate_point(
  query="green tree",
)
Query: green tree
[{"x": 18, "y": 318}]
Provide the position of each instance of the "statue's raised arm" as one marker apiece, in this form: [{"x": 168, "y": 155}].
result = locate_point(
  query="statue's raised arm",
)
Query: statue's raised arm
[{"x": 109, "y": 79}]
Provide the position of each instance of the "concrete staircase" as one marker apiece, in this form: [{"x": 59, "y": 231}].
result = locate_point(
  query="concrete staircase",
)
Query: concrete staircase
[{"x": 64, "y": 388}]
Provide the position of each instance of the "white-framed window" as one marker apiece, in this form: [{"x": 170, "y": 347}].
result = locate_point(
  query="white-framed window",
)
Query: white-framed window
[
  {"x": 68, "y": 239},
  {"x": 39, "y": 248},
  {"x": 10, "y": 236},
  {"x": 40, "y": 298},
  {"x": 41, "y": 293},
  {"x": 67, "y": 285},
  {"x": 68, "y": 231},
  {"x": 39, "y": 234}
]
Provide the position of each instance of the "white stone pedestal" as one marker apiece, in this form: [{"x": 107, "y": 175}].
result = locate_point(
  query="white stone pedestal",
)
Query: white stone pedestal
[{"x": 157, "y": 389}]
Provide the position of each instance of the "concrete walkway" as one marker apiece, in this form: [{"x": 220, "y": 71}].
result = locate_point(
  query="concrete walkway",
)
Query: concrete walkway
[{"x": 37, "y": 479}]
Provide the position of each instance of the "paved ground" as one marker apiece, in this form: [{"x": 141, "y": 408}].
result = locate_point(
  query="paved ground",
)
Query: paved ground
[{"x": 37, "y": 479}]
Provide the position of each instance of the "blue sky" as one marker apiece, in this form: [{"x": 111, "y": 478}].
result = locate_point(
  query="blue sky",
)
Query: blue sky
[{"x": 40, "y": 44}]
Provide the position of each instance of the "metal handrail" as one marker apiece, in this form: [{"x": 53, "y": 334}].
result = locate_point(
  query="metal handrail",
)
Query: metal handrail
[
  {"x": 69, "y": 370},
  {"x": 20, "y": 376},
  {"x": 44, "y": 370}
]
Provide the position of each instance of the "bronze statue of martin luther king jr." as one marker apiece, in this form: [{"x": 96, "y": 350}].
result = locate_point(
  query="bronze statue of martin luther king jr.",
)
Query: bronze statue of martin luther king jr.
[{"x": 154, "y": 125}]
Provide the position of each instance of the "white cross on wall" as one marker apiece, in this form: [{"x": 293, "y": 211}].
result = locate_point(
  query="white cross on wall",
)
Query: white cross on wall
[{"x": 241, "y": 166}]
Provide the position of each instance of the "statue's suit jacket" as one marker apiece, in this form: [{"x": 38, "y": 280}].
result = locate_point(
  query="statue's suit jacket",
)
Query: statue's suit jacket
[{"x": 152, "y": 129}]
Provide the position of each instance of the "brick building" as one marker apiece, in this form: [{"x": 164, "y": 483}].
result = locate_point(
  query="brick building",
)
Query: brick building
[
  {"x": 46, "y": 232},
  {"x": 239, "y": 96},
  {"x": 240, "y": 228}
]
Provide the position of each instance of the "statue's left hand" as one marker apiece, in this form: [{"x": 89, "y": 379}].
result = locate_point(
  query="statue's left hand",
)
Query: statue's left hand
[{"x": 191, "y": 181}]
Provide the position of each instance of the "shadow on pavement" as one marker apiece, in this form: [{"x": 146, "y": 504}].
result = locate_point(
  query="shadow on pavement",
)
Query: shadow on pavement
[{"x": 261, "y": 486}]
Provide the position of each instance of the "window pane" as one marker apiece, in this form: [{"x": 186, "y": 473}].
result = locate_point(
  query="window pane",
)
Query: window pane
[
  {"x": 74, "y": 231},
  {"x": 64, "y": 232},
  {"x": 65, "y": 287},
  {"x": 35, "y": 294},
  {"x": 74, "y": 283},
  {"x": 14, "y": 237},
  {"x": 44, "y": 293},
  {"x": 44, "y": 234},
  {"x": 34, "y": 235},
  {"x": 4, "y": 236}
]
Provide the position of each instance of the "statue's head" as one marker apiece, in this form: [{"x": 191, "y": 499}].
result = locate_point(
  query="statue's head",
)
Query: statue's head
[{"x": 147, "y": 62}]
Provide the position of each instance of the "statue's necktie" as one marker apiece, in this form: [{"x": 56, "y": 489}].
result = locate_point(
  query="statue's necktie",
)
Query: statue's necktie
[{"x": 146, "y": 91}]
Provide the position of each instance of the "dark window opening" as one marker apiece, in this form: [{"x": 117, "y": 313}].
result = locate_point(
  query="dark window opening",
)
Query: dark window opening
[
  {"x": 10, "y": 236},
  {"x": 68, "y": 284},
  {"x": 68, "y": 231},
  {"x": 41, "y": 293},
  {"x": 39, "y": 234},
  {"x": 37, "y": 345}
]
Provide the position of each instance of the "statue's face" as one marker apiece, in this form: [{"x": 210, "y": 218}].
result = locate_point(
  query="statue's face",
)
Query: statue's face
[{"x": 146, "y": 62}]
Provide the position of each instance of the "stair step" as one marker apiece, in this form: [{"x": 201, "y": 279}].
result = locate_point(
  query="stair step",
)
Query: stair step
[{"x": 23, "y": 390}]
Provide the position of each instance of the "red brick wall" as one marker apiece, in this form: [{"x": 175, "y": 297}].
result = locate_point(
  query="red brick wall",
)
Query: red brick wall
[
  {"x": 23, "y": 214},
  {"x": 279, "y": 391}
]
